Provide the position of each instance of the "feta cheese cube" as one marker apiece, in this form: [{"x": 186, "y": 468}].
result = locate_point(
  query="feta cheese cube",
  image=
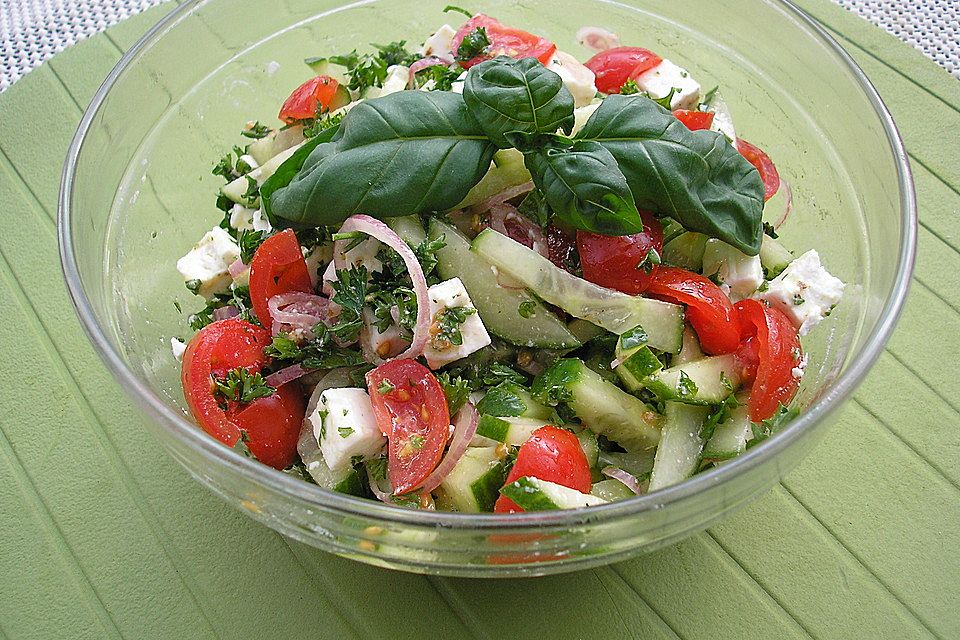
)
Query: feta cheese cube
[
  {"x": 805, "y": 291},
  {"x": 241, "y": 218},
  {"x": 577, "y": 78},
  {"x": 451, "y": 294},
  {"x": 364, "y": 254},
  {"x": 582, "y": 114},
  {"x": 386, "y": 344},
  {"x": 315, "y": 258},
  {"x": 397, "y": 78},
  {"x": 722, "y": 118},
  {"x": 457, "y": 85},
  {"x": 658, "y": 81},
  {"x": 209, "y": 261},
  {"x": 440, "y": 44},
  {"x": 260, "y": 222},
  {"x": 178, "y": 347},
  {"x": 344, "y": 425},
  {"x": 738, "y": 271}
]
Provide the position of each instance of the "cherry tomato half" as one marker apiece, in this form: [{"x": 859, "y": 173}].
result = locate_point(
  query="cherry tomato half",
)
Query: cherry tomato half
[
  {"x": 277, "y": 267},
  {"x": 708, "y": 308},
  {"x": 303, "y": 102},
  {"x": 614, "y": 67},
  {"x": 777, "y": 352},
  {"x": 694, "y": 120},
  {"x": 552, "y": 454},
  {"x": 504, "y": 41},
  {"x": 763, "y": 163},
  {"x": 412, "y": 412},
  {"x": 272, "y": 424},
  {"x": 611, "y": 261}
]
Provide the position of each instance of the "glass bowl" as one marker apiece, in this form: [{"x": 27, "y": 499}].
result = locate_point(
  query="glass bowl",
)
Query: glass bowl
[{"x": 137, "y": 192}]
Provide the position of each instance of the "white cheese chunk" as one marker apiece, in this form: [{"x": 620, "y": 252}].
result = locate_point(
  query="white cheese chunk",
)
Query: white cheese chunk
[
  {"x": 345, "y": 426},
  {"x": 805, "y": 291},
  {"x": 439, "y": 351},
  {"x": 440, "y": 44},
  {"x": 364, "y": 254},
  {"x": 241, "y": 217},
  {"x": 738, "y": 271},
  {"x": 582, "y": 114},
  {"x": 722, "y": 118},
  {"x": 177, "y": 347},
  {"x": 396, "y": 80},
  {"x": 457, "y": 85},
  {"x": 208, "y": 262},
  {"x": 260, "y": 222},
  {"x": 577, "y": 78},
  {"x": 316, "y": 258},
  {"x": 658, "y": 81},
  {"x": 386, "y": 344}
]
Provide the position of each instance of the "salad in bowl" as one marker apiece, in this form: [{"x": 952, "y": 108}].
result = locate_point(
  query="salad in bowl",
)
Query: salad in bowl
[{"x": 481, "y": 275}]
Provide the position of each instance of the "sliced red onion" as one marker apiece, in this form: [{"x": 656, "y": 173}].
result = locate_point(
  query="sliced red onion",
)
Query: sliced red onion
[
  {"x": 382, "y": 495},
  {"x": 298, "y": 310},
  {"x": 597, "y": 38},
  {"x": 500, "y": 198},
  {"x": 505, "y": 281},
  {"x": 464, "y": 428},
  {"x": 288, "y": 374},
  {"x": 236, "y": 268},
  {"x": 626, "y": 478},
  {"x": 386, "y": 235},
  {"x": 787, "y": 203},
  {"x": 423, "y": 63},
  {"x": 616, "y": 362},
  {"x": 222, "y": 313},
  {"x": 505, "y": 219}
]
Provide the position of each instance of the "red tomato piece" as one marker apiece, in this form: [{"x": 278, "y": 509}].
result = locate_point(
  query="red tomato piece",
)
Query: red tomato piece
[
  {"x": 277, "y": 267},
  {"x": 272, "y": 423},
  {"x": 611, "y": 261},
  {"x": 412, "y": 412},
  {"x": 708, "y": 308},
  {"x": 504, "y": 41},
  {"x": 763, "y": 163},
  {"x": 552, "y": 454},
  {"x": 614, "y": 67},
  {"x": 303, "y": 102},
  {"x": 561, "y": 245},
  {"x": 777, "y": 347},
  {"x": 694, "y": 120}
]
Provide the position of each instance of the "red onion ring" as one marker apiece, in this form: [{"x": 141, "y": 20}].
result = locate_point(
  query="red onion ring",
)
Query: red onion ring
[
  {"x": 288, "y": 374},
  {"x": 626, "y": 478},
  {"x": 499, "y": 198},
  {"x": 787, "y": 203},
  {"x": 382, "y": 495},
  {"x": 464, "y": 428},
  {"x": 299, "y": 310},
  {"x": 521, "y": 229},
  {"x": 386, "y": 235},
  {"x": 423, "y": 63},
  {"x": 222, "y": 313},
  {"x": 236, "y": 268},
  {"x": 597, "y": 38}
]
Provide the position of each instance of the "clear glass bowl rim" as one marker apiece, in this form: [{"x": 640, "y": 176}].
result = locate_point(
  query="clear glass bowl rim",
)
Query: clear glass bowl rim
[{"x": 215, "y": 453}]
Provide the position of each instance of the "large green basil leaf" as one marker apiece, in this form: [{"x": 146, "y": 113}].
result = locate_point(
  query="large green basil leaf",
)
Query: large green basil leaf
[
  {"x": 507, "y": 95},
  {"x": 400, "y": 154},
  {"x": 695, "y": 177},
  {"x": 584, "y": 187},
  {"x": 288, "y": 170}
]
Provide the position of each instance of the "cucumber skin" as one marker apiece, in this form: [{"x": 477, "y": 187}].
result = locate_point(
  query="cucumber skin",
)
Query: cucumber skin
[
  {"x": 531, "y": 494},
  {"x": 531, "y": 408},
  {"x": 680, "y": 447},
  {"x": 480, "y": 492},
  {"x": 774, "y": 257},
  {"x": 486, "y": 488},
  {"x": 639, "y": 366},
  {"x": 508, "y": 170},
  {"x": 665, "y": 390}
]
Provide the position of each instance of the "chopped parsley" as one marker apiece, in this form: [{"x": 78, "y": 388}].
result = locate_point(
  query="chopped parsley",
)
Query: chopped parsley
[
  {"x": 283, "y": 347},
  {"x": 345, "y": 432},
  {"x": 772, "y": 424},
  {"x": 718, "y": 417},
  {"x": 323, "y": 121},
  {"x": 241, "y": 445},
  {"x": 686, "y": 387},
  {"x": 797, "y": 299},
  {"x": 629, "y": 88},
  {"x": 252, "y": 194},
  {"x": 770, "y": 231},
  {"x": 395, "y": 53},
  {"x": 455, "y": 388},
  {"x": 446, "y": 325},
  {"x": 385, "y": 387},
  {"x": 377, "y": 468},
  {"x": 256, "y": 131},
  {"x": 665, "y": 100},
  {"x": 370, "y": 69},
  {"x": 238, "y": 297},
  {"x": 453, "y": 7},
  {"x": 496, "y": 373},
  {"x": 505, "y": 400},
  {"x": 240, "y": 385},
  {"x": 350, "y": 292},
  {"x": 651, "y": 260},
  {"x": 473, "y": 44},
  {"x": 527, "y": 308},
  {"x": 442, "y": 76},
  {"x": 249, "y": 242}
]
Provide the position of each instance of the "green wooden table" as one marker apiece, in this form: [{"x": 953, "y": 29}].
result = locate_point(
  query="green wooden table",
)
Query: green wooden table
[{"x": 103, "y": 536}]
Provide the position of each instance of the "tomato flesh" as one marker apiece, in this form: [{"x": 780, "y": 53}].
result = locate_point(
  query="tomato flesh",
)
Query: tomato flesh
[
  {"x": 504, "y": 41},
  {"x": 611, "y": 261},
  {"x": 708, "y": 308},
  {"x": 614, "y": 67},
  {"x": 272, "y": 424},
  {"x": 694, "y": 120},
  {"x": 759, "y": 159},
  {"x": 550, "y": 454},
  {"x": 277, "y": 267},
  {"x": 777, "y": 352},
  {"x": 412, "y": 412},
  {"x": 306, "y": 100}
]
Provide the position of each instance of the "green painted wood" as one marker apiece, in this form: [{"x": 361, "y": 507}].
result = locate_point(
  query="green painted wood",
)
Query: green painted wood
[{"x": 104, "y": 536}]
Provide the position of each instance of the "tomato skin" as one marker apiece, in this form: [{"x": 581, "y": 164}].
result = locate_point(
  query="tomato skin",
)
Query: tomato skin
[
  {"x": 561, "y": 245},
  {"x": 277, "y": 267},
  {"x": 552, "y": 454},
  {"x": 694, "y": 120},
  {"x": 414, "y": 408},
  {"x": 611, "y": 261},
  {"x": 759, "y": 159},
  {"x": 303, "y": 102},
  {"x": 272, "y": 423},
  {"x": 708, "y": 307},
  {"x": 504, "y": 41},
  {"x": 614, "y": 67},
  {"x": 778, "y": 351}
]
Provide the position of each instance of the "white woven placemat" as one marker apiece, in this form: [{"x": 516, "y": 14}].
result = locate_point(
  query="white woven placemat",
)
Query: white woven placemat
[{"x": 33, "y": 30}]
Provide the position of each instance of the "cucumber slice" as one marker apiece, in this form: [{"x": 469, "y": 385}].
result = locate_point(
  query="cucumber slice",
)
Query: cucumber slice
[
  {"x": 686, "y": 250},
  {"x": 473, "y": 484},
  {"x": 614, "y": 311},
  {"x": 680, "y": 445},
  {"x": 274, "y": 142},
  {"x": 588, "y": 442},
  {"x": 347, "y": 481},
  {"x": 506, "y": 171},
  {"x": 509, "y": 430},
  {"x": 409, "y": 228},
  {"x": 534, "y": 494},
  {"x": 499, "y": 308},
  {"x": 690, "y": 350},
  {"x": 638, "y": 464},
  {"x": 584, "y": 331},
  {"x": 730, "y": 437},
  {"x": 637, "y": 360},
  {"x": 611, "y": 490},
  {"x": 323, "y": 67},
  {"x": 774, "y": 257},
  {"x": 235, "y": 190},
  {"x": 603, "y": 407},
  {"x": 705, "y": 381},
  {"x": 671, "y": 229},
  {"x": 509, "y": 399}
]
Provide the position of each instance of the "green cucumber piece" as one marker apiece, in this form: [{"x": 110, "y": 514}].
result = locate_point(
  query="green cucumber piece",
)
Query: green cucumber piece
[
  {"x": 588, "y": 442},
  {"x": 473, "y": 483},
  {"x": 323, "y": 67},
  {"x": 603, "y": 407},
  {"x": 614, "y": 311},
  {"x": 585, "y": 331},
  {"x": 690, "y": 350},
  {"x": 507, "y": 170},
  {"x": 678, "y": 455},
  {"x": 498, "y": 307},
  {"x": 611, "y": 490},
  {"x": 409, "y": 228},
  {"x": 638, "y": 367},
  {"x": 638, "y": 464},
  {"x": 534, "y": 494},
  {"x": 235, "y": 190},
  {"x": 348, "y": 481},
  {"x": 774, "y": 257},
  {"x": 671, "y": 229},
  {"x": 730, "y": 438},
  {"x": 686, "y": 251},
  {"x": 509, "y": 430},
  {"x": 705, "y": 381},
  {"x": 509, "y": 399}
]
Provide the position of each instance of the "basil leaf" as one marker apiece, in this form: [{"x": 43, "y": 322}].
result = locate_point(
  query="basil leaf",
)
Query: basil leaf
[
  {"x": 400, "y": 154},
  {"x": 288, "y": 170},
  {"x": 507, "y": 95},
  {"x": 695, "y": 177},
  {"x": 584, "y": 187}
]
